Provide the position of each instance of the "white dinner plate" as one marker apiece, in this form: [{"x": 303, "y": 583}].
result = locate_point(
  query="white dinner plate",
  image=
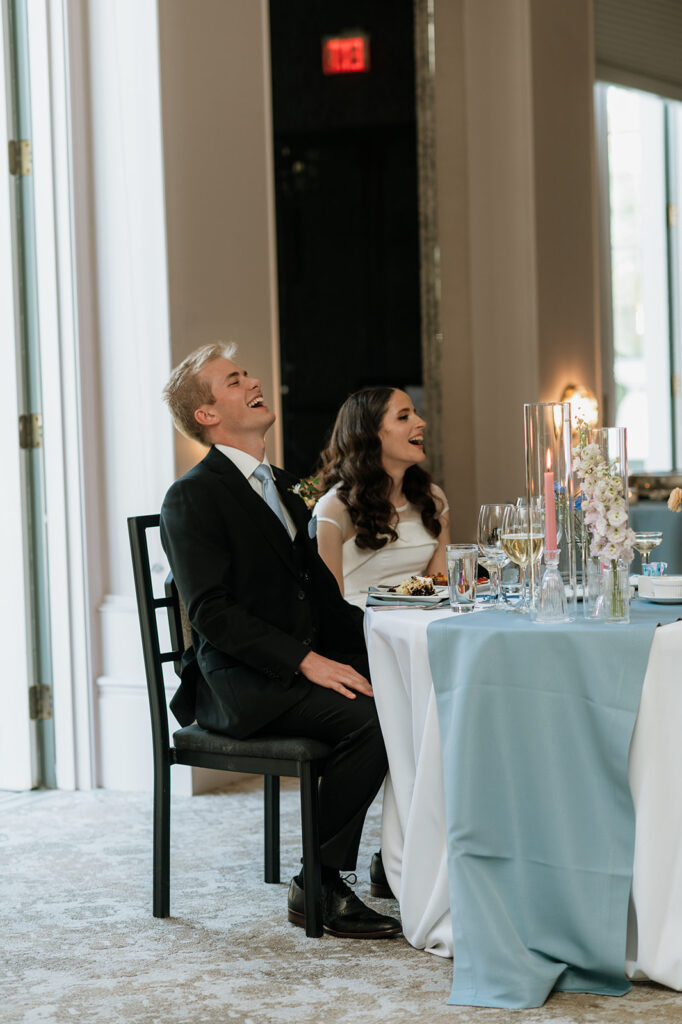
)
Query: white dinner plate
[
  {"x": 386, "y": 595},
  {"x": 661, "y": 600}
]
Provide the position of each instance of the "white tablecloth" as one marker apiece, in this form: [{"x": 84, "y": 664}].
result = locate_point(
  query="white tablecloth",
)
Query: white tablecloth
[{"x": 413, "y": 829}]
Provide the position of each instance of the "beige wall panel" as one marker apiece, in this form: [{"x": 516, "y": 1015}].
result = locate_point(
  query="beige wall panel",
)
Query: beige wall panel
[
  {"x": 453, "y": 235},
  {"x": 516, "y": 226},
  {"x": 217, "y": 128},
  {"x": 563, "y": 105}
]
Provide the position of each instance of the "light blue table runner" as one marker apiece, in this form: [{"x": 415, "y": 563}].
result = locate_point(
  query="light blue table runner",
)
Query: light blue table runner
[{"x": 536, "y": 723}]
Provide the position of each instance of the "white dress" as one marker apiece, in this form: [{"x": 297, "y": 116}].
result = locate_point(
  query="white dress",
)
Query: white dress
[{"x": 408, "y": 555}]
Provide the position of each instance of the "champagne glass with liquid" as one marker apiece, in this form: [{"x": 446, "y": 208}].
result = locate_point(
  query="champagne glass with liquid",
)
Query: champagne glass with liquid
[
  {"x": 490, "y": 545},
  {"x": 522, "y": 541},
  {"x": 645, "y": 542}
]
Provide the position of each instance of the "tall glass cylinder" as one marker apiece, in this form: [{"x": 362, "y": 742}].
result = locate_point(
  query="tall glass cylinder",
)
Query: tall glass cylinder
[
  {"x": 549, "y": 485},
  {"x": 611, "y": 445}
]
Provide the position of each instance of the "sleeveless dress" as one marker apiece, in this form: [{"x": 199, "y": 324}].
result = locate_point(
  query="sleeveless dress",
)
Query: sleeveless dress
[{"x": 408, "y": 555}]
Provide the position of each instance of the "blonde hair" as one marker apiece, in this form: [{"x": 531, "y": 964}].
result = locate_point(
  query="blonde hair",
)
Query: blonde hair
[{"x": 185, "y": 391}]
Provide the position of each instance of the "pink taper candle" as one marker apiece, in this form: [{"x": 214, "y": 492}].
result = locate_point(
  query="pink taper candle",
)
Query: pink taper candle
[{"x": 550, "y": 508}]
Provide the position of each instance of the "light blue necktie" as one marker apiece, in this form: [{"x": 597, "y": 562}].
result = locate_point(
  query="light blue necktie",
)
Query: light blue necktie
[{"x": 270, "y": 495}]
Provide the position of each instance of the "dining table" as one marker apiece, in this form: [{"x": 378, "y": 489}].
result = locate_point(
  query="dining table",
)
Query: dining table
[{"x": 531, "y": 825}]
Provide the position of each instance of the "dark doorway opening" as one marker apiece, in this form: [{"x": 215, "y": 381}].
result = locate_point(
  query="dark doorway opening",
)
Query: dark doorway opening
[{"x": 347, "y": 217}]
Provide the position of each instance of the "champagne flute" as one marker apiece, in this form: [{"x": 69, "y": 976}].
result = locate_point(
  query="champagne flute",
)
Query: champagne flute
[
  {"x": 523, "y": 540},
  {"x": 645, "y": 542},
  {"x": 489, "y": 540}
]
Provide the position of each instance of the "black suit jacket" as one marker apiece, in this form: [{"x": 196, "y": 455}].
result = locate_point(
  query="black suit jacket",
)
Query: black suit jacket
[{"x": 257, "y": 601}]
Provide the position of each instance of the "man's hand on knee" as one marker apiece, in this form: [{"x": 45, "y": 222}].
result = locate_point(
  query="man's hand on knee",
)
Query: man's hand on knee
[{"x": 334, "y": 676}]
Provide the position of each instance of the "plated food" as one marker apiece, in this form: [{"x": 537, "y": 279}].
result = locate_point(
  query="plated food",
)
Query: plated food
[
  {"x": 415, "y": 586},
  {"x": 418, "y": 590}
]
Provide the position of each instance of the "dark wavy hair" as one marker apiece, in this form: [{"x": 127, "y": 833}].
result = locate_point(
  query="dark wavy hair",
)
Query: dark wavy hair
[{"x": 352, "y": 460}]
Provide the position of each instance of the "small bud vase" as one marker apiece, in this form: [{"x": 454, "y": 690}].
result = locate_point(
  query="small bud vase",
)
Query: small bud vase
[
  {"x": 591, "y": 580},
  {"x": 614, "y": 595}
]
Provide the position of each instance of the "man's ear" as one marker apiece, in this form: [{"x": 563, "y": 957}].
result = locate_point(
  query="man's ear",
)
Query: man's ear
[{"x": 206, "y": 416}]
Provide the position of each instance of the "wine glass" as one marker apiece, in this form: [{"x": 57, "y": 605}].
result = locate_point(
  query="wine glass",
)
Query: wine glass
[
  {"x": 523, "y": 540},
  {"x": 490, "y": 545},
  {"x": 645, "y": 542}
]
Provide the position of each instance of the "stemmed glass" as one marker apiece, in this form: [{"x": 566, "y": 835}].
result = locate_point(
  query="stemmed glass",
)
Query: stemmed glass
[
  {"x": 523, "y": 540},
  {"x": 645, "y": 542},
  {"x": 490, "y": 545}
]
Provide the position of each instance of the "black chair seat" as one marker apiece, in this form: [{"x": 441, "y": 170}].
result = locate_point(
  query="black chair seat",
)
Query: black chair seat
[{"x": 289, "y": 748}]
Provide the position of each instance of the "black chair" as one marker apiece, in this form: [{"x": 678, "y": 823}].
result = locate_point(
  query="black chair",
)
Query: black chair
[{"x": 270, "y": 757}]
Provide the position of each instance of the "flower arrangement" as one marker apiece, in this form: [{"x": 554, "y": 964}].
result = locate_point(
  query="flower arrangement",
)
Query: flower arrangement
[
  {"x": 605, "y": 518},
  {"x": 603, "y": 505},
  {"x": 307, "y": 490},
  {"x": 675, "y": 499}
]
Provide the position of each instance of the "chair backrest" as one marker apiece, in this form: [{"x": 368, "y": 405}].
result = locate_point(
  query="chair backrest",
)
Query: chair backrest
[{"x": 147, "y": 605}]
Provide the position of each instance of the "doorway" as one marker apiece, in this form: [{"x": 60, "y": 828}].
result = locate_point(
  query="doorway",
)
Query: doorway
[
  {"x": 29, "y": 751},
  {"x": 346, "y": 211}
]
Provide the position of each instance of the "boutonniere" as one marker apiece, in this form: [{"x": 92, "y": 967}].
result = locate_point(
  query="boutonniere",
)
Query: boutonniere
[{"x": 307, "y": 490}]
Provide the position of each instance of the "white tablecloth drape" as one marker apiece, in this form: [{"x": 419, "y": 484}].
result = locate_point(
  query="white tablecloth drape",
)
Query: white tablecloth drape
[{"x": 413, "y": 830}]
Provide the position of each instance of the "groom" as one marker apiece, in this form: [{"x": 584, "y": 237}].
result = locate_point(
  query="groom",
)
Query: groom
[{"x": 280, "y": 652}]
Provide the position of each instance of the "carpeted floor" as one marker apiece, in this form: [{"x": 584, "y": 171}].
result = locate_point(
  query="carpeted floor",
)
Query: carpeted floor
[{"x": 80, "y": 943}]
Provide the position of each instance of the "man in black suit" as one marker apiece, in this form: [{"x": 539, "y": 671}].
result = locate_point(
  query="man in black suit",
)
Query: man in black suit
[{"x": 279, "y": 650}]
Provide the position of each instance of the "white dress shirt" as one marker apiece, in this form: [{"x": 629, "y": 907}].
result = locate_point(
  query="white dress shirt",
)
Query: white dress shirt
[{"x": 246, "y": 464}]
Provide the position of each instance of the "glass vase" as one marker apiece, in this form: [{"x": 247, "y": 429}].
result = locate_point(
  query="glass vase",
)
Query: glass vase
[
  {"x": 614, "y": 595},
  {"x": 590, "y": 579},
  {"x": 549, "y": 486}
]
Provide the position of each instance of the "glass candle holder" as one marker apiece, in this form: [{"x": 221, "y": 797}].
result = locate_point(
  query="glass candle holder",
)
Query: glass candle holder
[{"x": 549, "y": 486}]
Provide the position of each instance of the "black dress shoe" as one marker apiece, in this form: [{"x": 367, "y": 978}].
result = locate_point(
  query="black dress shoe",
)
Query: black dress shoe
[
  {"x": 343, "y": 914},
  {"x": 378, "y": 882}
]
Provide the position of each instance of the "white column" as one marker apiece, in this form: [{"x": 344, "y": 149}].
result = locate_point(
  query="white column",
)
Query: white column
[{"x": 125, "y": 356}]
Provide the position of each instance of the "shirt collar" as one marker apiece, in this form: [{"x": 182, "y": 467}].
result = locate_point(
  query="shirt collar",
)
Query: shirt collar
[{"x": 245, "y": 463}]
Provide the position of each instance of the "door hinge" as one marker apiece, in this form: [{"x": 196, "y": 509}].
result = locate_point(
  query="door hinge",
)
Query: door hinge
[
  {"x": 675, "y": 385},
  {"x": 672, "y": 215},
  {"x": 39, "y": 702},
  {"x": 20, "y": 157},
  {"x": 31, "y": 430}
]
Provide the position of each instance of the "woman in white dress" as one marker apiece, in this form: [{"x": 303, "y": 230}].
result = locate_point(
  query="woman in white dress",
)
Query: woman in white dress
[{"x": 381, "y": 517}]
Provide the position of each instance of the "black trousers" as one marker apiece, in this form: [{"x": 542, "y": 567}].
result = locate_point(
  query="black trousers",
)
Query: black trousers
[{"x": 354, "y": 770}]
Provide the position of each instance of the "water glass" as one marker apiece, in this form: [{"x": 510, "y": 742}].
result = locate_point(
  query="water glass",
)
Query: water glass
[{"x": 462, "y": 566}]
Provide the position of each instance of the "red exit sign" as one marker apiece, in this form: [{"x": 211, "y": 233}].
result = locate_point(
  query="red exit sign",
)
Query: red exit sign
[{"x": 343, "y": 55}]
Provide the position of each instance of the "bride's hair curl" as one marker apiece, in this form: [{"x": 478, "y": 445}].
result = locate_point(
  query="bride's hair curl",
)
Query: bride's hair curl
[{"x": 352, "y": 461}]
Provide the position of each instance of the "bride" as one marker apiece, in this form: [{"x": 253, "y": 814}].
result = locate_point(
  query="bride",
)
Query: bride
[{"x": 381, "y": 518}]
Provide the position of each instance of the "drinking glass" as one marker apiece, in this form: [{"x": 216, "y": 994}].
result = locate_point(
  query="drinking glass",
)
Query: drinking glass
[
  {"x": 490, "y": 545},
  {"x": 645, "y": 542},
  {"x": 522, "y": 541},
  {"x": 462, "y": 565}
]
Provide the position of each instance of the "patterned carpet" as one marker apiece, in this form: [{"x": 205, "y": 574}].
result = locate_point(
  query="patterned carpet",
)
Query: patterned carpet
[{"x": 81, "y": 945}]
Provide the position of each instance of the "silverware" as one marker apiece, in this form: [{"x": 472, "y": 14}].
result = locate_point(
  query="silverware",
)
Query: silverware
[{"x": 408, "y": 607}]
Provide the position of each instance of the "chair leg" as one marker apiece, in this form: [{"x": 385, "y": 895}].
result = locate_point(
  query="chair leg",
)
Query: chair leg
[
  {"x": 162, "y": 809},
  {"x": 271, "y": 794},
  {"x": 312, "y": 885}
]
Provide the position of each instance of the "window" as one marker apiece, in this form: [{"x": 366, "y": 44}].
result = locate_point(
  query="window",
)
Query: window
[{"x": 639, "y": 137}]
